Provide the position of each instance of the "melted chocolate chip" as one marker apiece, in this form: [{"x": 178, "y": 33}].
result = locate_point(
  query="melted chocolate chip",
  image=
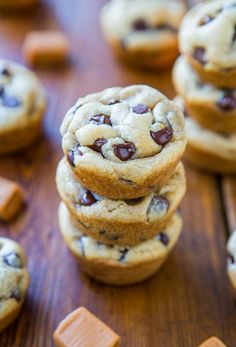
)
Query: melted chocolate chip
[
  {"x": 16, "y": 294},
  {"x": 166, "y": 26},
  {"x": 133, "y": 202},
  {"x": 163, "y": 136},
  {"x": 199, "y": 55},
  {"x": 87, "y": 199},
  {"x": 231, "y": 259},
  {"x": 100, "y": 119},
  {"x": 163, "y": 238},
  {"x": 13, "y": 260},
  {"x": 140, "y": 25},
  {"x": 123, "y": 254},
  {"x": 228, "y": 101},
  {"x": 4, "y": 71},
  {"x": 124, "y": 151},
  {"x": 71, "y": 157},
  {"x": 158, "y": 203},
  {"x": 113, "y": 102},
  {"x": 140, "y": 109},
  {"x": 206, "y": 19},
  {"x": 97, "y": 145}
]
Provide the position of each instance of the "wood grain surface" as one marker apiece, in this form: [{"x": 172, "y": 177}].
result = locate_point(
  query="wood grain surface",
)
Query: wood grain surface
[{"x": 190, "y": 299}]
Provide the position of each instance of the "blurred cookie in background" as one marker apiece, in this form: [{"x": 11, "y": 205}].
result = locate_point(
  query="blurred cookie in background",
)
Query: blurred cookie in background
[
  {"x": 143, "y": 33},
  {"x": 13, "y": 5},
  {"x": 22, "y": 106}
]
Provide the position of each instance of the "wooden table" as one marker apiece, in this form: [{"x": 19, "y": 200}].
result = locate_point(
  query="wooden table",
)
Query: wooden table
[{"x": 190, "y": 299}]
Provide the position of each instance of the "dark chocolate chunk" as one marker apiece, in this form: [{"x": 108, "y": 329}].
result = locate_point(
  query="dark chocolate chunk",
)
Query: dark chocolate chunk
[
  {"x": 87, "y": 199},
  {"x": 140, "y": 109},
  {"x": 16, "y": 294},
  {"x": 100, "y": 119},
  {"x": 163, "y": 238},
  {"x": 13, "y": 260},
  {"x": 124, "y": 151},
  {"x": 206, "y": 19},
  {"x": 97, "y": 145},
  {"x": 163, "y": 136},
  {"x": 227, "y": 101},
  {"x": 140, "y": 25},
  {"x": 4, "y": 71},
  {"x": 199, "y": 55},
  {"x": 123, "y": 253},
  {"x": 113, "y": 102},
  {"x": 158, "y": 203}
]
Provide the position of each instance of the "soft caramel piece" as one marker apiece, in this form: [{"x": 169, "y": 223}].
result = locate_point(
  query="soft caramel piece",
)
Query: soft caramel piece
[
  {"x": 46, "y": 47},
  {"x": 213, "y": 342},
  {"x": 11, "y": 199},
  {"x": 82, "y": 329}
]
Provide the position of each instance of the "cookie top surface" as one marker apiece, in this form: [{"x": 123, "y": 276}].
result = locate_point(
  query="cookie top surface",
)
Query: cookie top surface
[
  {"x": 14, "y": 279},
  {"x": 122, "y": 126},
  {"x": 137, "y": 23},
  {"x": 189, "y": 85},
  {"x": 208, "y": 34},
  {"x": 152, "y": 207},
  {"x": 87, "y": 247},
  {"x": 22, "y": 97}
]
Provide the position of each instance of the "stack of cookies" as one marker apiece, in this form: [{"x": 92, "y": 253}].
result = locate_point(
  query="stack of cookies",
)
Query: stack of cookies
[
  {"x": 121, "y": 182},
  {"x": 205, "y": 78}
]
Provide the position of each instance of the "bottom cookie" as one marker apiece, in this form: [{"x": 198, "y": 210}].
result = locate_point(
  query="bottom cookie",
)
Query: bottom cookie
[
  {"x": 14, "y": 281},
  {"x": 231, "y": 247},
  {"x": 118, "y": 265}
]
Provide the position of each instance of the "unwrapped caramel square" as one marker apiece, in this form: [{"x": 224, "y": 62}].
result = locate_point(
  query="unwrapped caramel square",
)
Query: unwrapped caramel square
[
  {"x": 82, "y": 329},
  {"x": 213, "y": 342},
  {"x": 11, "y": 199}
]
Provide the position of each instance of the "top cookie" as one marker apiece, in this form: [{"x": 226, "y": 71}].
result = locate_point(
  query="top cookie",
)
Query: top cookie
[
  {"x": 143, "y": 27},
  {"x": 124, "y": 142},
  {"x": 14, "y": 280},
  {"x": 22, "y": 97},
  {"x": 208, "y": 38}
]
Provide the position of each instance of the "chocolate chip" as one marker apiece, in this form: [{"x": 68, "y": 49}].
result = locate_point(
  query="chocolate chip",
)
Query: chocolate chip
[
  {"x": 13, "y": 260},
  {"x": 9, "y": 100},
  {"x": 199, "y": 55},
  {"x": 163, "y": 238},
  {"x": 123, "y": 253},
  {"x": 206, "y": 19},
  {"x": 227, "y": 101},
  {"x": 113, "y": 102},
  {"x": 100, "y": 119},
  {"x": 231, "y": 259},
  {"x": 166, "y": 26},
  {"x": 16, "y": 294},
  {"x": 140, "y": 25},
  {"x": 133, "y": 202},
  {"x": 158, "y": 203},
  {"x": 97, "y": 145},
  {"x": 5, "y": 72},
  {"x": 234, "y": 35},
  {"x": 71, "y": 154},
  {"x": 140, "y": 109},
  {"x": 87, "y": 199},
  {"x": 163, "y": 136},
  {"x": 124, "y": 151}
]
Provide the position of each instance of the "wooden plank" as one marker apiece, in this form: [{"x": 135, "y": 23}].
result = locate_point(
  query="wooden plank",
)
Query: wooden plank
[
  {"x": 229, "y": 199},
  {"x": 190, "y": 299}
]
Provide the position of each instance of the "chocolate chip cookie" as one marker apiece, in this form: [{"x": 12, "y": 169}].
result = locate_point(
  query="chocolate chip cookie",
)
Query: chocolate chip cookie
[
  {"x": 208, "y": 150},
  {"x": 14, "y": 281},
  {"x": 120, "y": 222},
  {"x": 16, "y": 5},
  {"x": 212, "y": 107},
  {"x": 114, "y": 264},
  {"x": 22, "y": 105},
  {"x": 141, "y": 32},
  {"x": 123, "y": 143},
  {"x": 208, "y": 39}
]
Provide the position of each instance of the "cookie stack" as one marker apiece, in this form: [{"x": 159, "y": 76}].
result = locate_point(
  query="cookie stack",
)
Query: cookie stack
[
  {"x": 205, "y": 78},
  {"x": 121, "y": 182}
]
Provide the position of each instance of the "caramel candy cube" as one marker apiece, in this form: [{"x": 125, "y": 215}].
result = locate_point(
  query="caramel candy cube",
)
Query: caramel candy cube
[
  {"x": 11, "y": 199},
  {"x": 82, "y": 329},
  {"x": 46, "y": 48},
  {"x": 213, "y": 342}
]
